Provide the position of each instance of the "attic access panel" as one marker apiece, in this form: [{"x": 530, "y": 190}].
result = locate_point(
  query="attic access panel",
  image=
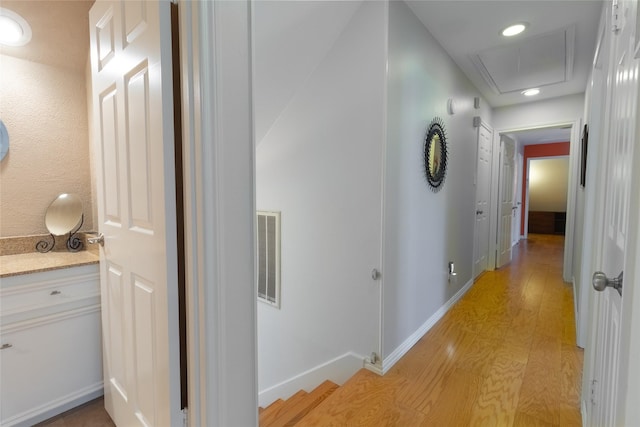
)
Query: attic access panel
[{"x": 534, "y": 62}]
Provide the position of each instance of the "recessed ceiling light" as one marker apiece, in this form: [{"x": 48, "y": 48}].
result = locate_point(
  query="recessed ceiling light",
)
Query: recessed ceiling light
[
  {"x": 531, "y": 92},
  {"x": 514, "y": 29},
  {"x": 14, "y": 30}
]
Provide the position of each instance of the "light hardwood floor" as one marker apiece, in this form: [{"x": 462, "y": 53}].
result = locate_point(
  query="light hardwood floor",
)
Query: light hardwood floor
[{"x": 505, "y": 355}]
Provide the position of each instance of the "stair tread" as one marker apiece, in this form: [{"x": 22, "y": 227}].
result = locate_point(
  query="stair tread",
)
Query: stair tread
[
  {"x": 269, "y": 411},
  {"x": 336, "y": 400},
  {"x": 282, "y": 410},
  {"x": 311, "y": 401}
]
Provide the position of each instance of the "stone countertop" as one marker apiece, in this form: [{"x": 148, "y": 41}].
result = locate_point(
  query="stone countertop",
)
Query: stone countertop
[{"x": 33, "y": 262}]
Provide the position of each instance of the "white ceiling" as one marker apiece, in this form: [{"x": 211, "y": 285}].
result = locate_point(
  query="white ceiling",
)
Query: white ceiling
[
  {"x": 467, "y": 29},
  {"x": 60, "y": 32},
  {"x": 555, "y": 53}
]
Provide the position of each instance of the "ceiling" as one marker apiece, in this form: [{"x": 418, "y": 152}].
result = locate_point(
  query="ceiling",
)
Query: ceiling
[
  {"x": 555, "y": 53},
  {"x": 60, "y": 32}
]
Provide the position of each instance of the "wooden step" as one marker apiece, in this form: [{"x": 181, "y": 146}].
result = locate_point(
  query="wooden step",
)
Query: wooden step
[
  {"x": 282, "y": 410},
  {"x": 312, "y": 400},
  {"x": 269, "y": 412},
  {"x": 338, "y": 404},
  {"x": 294, "y": 409}
]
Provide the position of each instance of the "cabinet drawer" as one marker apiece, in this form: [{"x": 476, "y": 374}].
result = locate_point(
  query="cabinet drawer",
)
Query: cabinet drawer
[{"x": 42, "y": 296}]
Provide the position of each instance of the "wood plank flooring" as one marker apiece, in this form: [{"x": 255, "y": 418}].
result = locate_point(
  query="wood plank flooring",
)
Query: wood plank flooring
[{"x": 505, "y": 355}]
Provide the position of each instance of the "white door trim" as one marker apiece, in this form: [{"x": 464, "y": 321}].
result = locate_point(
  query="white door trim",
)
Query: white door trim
[
  {"x": 218, "y": 159},
  {"x": 574, "y": 157}
]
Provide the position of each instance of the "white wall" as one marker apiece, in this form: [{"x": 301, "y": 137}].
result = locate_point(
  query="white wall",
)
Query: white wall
[
  {"x": 291, "y": 39},
  {"x": 424, "y": 230},
  {"x": 564, "y": 109},
  {"x": 586, "y": 205},
  {"x": 45, "y": 111},
  {"x": 548, "y": 184},
  {"x": 320, "y": 165}
]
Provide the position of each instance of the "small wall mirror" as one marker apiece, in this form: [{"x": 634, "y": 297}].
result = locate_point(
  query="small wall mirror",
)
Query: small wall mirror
[
  {"x": 64, "y": 215},
  {"x": 4, "y": 141},
  {"x": 435, "y": 154}
]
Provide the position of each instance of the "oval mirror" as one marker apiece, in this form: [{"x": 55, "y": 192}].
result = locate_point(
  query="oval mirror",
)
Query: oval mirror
[
  {"x": 4, "y": 140},
  {"x": 64, "y": 214},
  {"x": 435, "y": 154}
]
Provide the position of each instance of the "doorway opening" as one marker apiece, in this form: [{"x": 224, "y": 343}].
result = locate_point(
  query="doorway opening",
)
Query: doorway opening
[
  {"x": 551, "y": 142},
  {"x": 546, "y": 198}
]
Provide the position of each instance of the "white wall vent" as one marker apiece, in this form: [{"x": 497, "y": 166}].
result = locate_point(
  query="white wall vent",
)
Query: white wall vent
[{"x": 269, "y": 258}]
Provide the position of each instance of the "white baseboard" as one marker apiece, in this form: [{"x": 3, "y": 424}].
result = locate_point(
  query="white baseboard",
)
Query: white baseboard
[
  {"x": 576, "y": 314},
  {"x": 55, "y": 407},
  {"x": 337, "y": 370},
  {"x": 403, "y": 348},
  {"x": 344, "y": 367}
]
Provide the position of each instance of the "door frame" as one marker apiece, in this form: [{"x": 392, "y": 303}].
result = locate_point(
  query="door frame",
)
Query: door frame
[
  {"x": 218, "y": 159},
  {"x": 574, "y": 158}
]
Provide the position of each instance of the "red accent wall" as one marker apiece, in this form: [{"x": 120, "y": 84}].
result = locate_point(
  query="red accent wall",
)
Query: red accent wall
[{"x": 538, "y": 150}]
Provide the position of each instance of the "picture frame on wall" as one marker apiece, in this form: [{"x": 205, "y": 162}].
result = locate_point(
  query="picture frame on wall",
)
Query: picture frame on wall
[{"x": 583, "y": 155}]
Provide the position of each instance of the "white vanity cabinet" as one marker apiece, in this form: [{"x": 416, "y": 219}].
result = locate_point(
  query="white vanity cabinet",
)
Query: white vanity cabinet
[{"x": 50, "y": 343}]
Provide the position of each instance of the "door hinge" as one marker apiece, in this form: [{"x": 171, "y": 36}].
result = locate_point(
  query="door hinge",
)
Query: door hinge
[
  {"x": 185, "y": 417},
  {"x": 615, "y": 17},
  {"x": 593, "y": 392}
]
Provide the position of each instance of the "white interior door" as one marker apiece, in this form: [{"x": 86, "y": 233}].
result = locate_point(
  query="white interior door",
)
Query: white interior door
[
  {"x": 507, "y": 169},
  {"x": 133, "y": 128},
  {"x": 517, "y": 196},
  {"x": 483, "y": 194},
  {"x": 619, "y": 144}
]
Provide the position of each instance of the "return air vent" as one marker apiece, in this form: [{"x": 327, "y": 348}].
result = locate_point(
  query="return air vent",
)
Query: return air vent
[
  {"x": 269, "y": 258},
  {"x": 535, "y": 62}
]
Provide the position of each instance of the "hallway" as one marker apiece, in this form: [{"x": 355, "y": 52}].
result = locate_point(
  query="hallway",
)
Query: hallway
[{"x": 504, "y": 355}]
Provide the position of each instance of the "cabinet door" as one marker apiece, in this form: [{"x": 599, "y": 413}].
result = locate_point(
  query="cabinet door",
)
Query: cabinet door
[{"x": 49, "y": 361}]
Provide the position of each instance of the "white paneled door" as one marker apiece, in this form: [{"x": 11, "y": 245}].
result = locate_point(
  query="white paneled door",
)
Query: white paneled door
[
  {"x": 507, "y": 174},
  {"x": 134, "y": 143},
  {"x": 616, "y": 186},
  {"x": 483, "y": 194}
]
